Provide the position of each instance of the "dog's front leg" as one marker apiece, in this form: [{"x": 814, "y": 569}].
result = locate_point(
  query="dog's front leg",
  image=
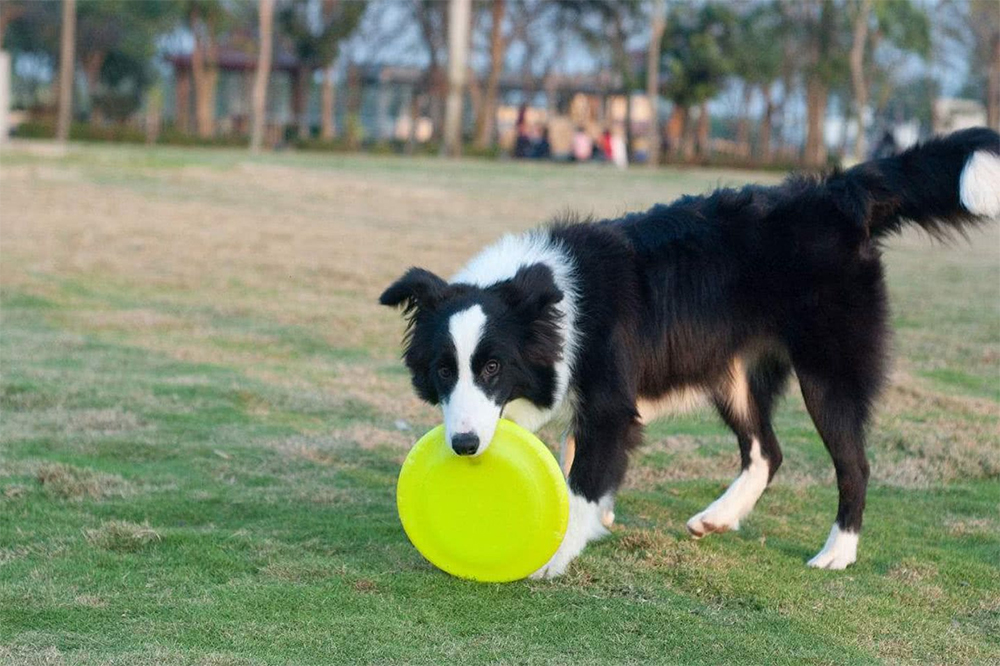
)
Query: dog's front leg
[{"x": 603, "y": 438}]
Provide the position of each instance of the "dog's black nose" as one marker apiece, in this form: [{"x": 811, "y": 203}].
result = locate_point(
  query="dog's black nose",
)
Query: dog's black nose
[{"x": 465, "y": 444}]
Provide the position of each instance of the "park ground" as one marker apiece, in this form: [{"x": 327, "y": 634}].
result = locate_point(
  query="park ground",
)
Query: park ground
[{"x": 203, "y": 415}]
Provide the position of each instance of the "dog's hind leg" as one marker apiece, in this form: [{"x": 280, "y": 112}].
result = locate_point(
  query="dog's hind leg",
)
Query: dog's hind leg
[
  {"x": 745, "y": 400},
  {"x": 840, "y": 415}
]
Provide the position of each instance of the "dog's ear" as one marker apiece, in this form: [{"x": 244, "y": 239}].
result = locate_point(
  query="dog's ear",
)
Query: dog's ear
[
  {"x": 531, "y": 291},
  {"x": 416, "y": 290},
  {"x": 531, "y": 296}
]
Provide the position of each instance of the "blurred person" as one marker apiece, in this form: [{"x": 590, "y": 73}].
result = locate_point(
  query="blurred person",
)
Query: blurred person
[
  {"x": 583, "y": 146},
  {"x": 619, "y": 151},
  {"x": 542, "y": 148},
  {"x": 606, "y": 145},
  {"x": 522, "y": 146}
]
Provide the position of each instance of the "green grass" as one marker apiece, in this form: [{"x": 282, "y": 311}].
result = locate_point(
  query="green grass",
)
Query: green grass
[{"x": 199, "y": 443}]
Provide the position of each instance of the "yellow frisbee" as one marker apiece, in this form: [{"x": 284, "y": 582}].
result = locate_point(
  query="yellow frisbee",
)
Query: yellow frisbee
[{"x": 495, "y": 517}]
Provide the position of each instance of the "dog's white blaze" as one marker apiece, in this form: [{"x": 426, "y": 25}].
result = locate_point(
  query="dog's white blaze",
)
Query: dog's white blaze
[
  {"x": 979, "y": 186},
  {"x": 839, "y": 551},
  {"x": 500, "y": 262},
  {"x": 586, "y": 524},
  {"x": 739, "y": 499},
  {"x": 467, "y": 408}
]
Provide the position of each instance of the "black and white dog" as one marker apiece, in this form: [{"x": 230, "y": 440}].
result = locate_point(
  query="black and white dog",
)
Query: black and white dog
[{"x": 608, "y": 324}]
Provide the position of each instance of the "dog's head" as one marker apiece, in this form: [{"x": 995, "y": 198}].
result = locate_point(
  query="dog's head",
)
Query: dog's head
[{"x": 474, "y": 349}]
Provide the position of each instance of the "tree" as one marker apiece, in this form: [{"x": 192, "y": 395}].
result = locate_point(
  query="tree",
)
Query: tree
[
  {"x": 459, "y": 22},
  {"x": 819, "y": 38},
  {"x": 259, "y": 106},
  {"x": 124, "y": 30},
  {"x": 605, "y": 26},
  {"x": 657, "y": 26},
  {"x": 31, "y": 28},
  {"x": 498, "y": 47},
  {"x": 205, "y": 19},
  {"x": 899, "y": 29},
  {"x": 983, "y": 20},
  {"x": 758, "y": 63},
  {"x": 431, "y": 19},
  {"x": 860, "y": 37},
  {"x": 9, "y": 12},
  {"x": 67, "y": 67},
  {"x": 698, "y": 48},
  {"x": 315, "y": 38}
]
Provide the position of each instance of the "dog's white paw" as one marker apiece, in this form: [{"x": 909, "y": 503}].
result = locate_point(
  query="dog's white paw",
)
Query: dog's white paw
[
  {"x": 560, "y": 561},
  {"x": 586, "y": 524},
  {"x": 711, "y": 520},
  {"x": 839, "y": 551},
  {"x": 725, "y": 513}
]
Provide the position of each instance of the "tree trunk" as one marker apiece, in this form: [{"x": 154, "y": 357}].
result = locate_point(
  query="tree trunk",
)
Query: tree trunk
[
  {"x": 675, "y": 130},
  {"x": 328, "y": 121},
  {"x": 487, "y": 116},
  {"x": 459, "y": 18},
  {"x": 354, "y": 92},
  {"x": 475, "y": 96},
  {"x": 653, "y": 80},
  {"x": 5, "y": 71},
  {"x": 704, "y": 130},
  {"x": 205, "y": 72},
  {"x": 743, "y": 126},
  {"x": 817, "y": 88},
  {"x": 183, "y": 100},
  {"x": 300, "y": 100},
  {"x": 857, "y": 59},
  {"x": 436, "y": 91},
  {"x": 154, "y": 115},
  {"x": 624, "y": 66},
  {"x": 816, "y": 96},
  {"x": 688, "y": 141},
  {"x": 993, "y": 87},
  {"x": 67, "y": 63},
  {"x": 92, "y": 71},
  {"x": 258, "y": 109},
  {"x": 764, "y": 137}
]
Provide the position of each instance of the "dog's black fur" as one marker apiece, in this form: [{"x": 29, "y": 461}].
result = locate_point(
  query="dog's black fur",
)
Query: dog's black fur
[{"x": 786, "y": 277}]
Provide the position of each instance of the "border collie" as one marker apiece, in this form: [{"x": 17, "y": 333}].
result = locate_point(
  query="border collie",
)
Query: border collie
[{"x": 609, "y": 324}]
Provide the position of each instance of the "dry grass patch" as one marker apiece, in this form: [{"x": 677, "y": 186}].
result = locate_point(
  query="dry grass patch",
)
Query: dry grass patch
[
  {"x": 122, "y": 536},
  {"x": 926, "y": 438},
  {"x": 30, "y": 656},
  {"x": 296, "y": 572},
  {"x": 77, "y": 483},
  {"x": 90, "y": 601},
  {"x": 319, "y": 449},
  {"x": 971, "y": 526},
  {"x": 684, "y": 467},
  {"x": 14, "y": 491},
  {"x": 913, "y": 571},
  {"x": 365, "y": 585},
  {"x": 369, "y": 437}
]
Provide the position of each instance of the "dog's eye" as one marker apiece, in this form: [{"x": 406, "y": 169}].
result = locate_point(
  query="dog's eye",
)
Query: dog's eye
[
  {"x": 444, "y": 372},
  {"x": 491, "y": 368}
]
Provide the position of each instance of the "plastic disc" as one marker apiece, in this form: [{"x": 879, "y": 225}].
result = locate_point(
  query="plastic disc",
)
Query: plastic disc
[{"x": 495, "y": 517}]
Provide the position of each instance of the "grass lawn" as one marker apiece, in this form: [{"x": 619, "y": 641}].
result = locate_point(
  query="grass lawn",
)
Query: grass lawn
[{"x": 203, "y": 415}]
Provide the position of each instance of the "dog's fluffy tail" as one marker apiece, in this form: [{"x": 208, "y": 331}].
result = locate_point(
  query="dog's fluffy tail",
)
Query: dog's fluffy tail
[{"x": 942, "y": 185}]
